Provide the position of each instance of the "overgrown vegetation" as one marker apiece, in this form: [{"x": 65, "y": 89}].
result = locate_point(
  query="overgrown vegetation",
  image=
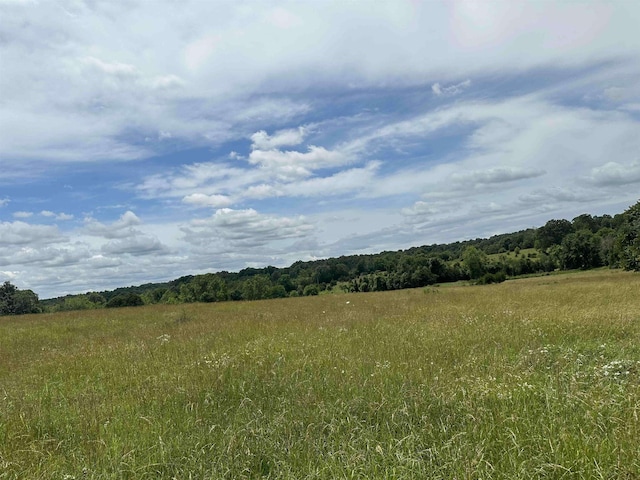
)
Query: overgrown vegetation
[
  {"x": 534, "y": 378},
  {"x": 17, "y": 302},
  {"x": 585, "y": 242}
]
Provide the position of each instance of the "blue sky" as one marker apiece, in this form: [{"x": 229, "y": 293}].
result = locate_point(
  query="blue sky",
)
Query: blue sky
[{"x": 141, "y": 141}]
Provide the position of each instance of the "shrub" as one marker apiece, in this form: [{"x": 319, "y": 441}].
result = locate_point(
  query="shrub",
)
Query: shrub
[
  {"x": 125, "y": 300},
  {"x": 488, "y": 278}
]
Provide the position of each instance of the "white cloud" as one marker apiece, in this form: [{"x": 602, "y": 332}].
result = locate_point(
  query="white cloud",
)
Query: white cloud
[
  {"x": 379, "y": 124},
  {"x": 57, "y": 216},
  {"x": 245, "y": 228},
  {"x": 349, "y": 181},
  {"x": 615, "y": 174},
  {"x": 209, "y": 178},
  {"x": 21, "y": 233},
  {"x": 440, "y": 90},
  {"x": 555, "y": 194},
  {"x": 203, "y": 200},
  {"x": 293, "y": 165},
  {"x": 121, "y": 228},
  {"x": 230, "y": 54},
  {"x": 263, "y": 141},
  {"x": 4, "y": 202},
  {"x": 22, "y": 214},
  {"x": 495, "y": 175},
  {"x": 113, "y": 68},
  {"x": 100, "y": 261},
  {"x": 199, "y": 51},
  {"x": 428, "y": 209},
  {"x": 139, "y": 245}
]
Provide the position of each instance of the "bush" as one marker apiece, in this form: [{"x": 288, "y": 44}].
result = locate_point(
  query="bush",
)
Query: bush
[
  {"x": 488, "y": 278},
  {"x": 125, "y": 300},
  {"x": 310, "y": 290}
]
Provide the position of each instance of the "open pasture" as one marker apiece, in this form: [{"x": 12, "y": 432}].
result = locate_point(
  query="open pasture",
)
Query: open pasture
[{"x": 532, "y": 378}]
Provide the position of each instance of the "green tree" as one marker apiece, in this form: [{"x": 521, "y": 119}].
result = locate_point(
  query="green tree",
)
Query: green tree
[
  {"x": 475, "y": 261},
  {"x": 256, "y": 287},
  {"x": 278, "y": 291},
  {"x": 585, "y": 222},
  {"x": 552, "y": 233},
  {"x": 204, "y": 288},
  {"x": 26, "y": 301},
  {"x": 608, "y": 251},
  {"x": 76, "y": 302},
  {"x": 7, "y": 298},
  {"x": 17, "y": 302},
  {"x": 96, "y": 299},
  {"x": 629, "y": 238},
  {"x": 580, "y": 250},
  {"x": 125, "y": 300},
  {"x": 153, "y": 296},
  {"x": 310, "y": 290}
]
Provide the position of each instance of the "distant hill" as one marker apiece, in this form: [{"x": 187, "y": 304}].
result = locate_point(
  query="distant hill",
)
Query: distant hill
[{"x": 582, "y": 243}]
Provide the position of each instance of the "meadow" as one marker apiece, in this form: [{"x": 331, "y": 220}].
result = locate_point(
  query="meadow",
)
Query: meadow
[{"x": 531, "y": 378}]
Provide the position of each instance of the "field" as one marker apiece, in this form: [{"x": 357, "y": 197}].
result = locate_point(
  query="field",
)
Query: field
[{"x": 531, "y": 378}]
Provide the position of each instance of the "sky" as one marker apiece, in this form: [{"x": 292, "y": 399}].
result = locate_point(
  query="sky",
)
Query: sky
[{"x": 145, "y": 140}]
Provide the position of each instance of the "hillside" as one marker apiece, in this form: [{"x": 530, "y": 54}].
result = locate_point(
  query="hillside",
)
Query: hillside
[{"x": 585, "y": 242}]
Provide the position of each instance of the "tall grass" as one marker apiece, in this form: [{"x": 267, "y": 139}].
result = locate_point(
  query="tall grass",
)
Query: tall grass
[{"x": 535, "y": 378}]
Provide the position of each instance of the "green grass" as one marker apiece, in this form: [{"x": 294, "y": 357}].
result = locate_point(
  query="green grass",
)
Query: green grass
[{"x": 531, "y": 378}]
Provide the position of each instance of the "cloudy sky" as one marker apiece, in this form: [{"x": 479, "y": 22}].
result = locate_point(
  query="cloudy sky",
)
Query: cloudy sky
[{"x": 145, "y": 140}]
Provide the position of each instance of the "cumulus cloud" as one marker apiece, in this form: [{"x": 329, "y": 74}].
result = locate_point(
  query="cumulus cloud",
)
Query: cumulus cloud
[
  {"x": 21, "y": 233},
  {"x": 57, "y": 216},
  {"x": 556, "y": 194},
  {"x": 427, "y": 209},
  {"x": 100, "y": 261},
  {"x": 39, "y": 256},
  {"x": 206, "y": 178},
  {"x": 138, "y": 245},
  {"x": 294, "y": 165},
  {"x": 263, "y": 141},
  {"x": 613, "y": 174},
  {"x": 97, "y": 88},
  {"x": 121, "y": 228},
  {"x": 202, "y": 200},
  {"x": 245, "y": 228},
  {"x": 477, "y": 138},
  {"x": 22, "y": 214},
  {"x": 350, "y": 181}
]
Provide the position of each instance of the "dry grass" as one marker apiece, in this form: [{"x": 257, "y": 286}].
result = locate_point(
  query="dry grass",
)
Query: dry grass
[{"x": 534, "y": 378}]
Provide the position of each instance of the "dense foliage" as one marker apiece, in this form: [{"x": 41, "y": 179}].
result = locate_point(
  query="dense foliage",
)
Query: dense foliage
[
  {"x": 17, "y": 302},
  {"x": 583, "y": 243}
]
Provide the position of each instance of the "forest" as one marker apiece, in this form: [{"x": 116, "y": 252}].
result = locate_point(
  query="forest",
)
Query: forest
[{"x": 584, "y": 243}]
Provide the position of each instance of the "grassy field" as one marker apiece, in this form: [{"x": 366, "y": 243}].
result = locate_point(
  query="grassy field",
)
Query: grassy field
[{"x": 532, "y": 378}]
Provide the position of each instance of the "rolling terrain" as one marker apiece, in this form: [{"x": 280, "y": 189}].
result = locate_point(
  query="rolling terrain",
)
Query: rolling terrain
[{"x": 530, "y": 378}]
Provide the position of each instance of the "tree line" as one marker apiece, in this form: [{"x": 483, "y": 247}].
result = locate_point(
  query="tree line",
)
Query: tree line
[{"x": 583, "y": 243}]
